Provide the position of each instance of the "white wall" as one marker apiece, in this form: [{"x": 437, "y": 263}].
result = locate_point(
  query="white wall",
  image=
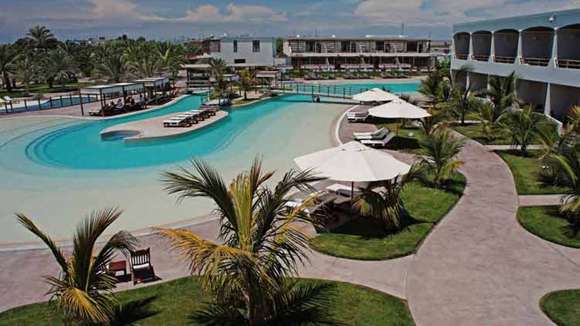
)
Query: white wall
[{"x": 245, "y": 51}]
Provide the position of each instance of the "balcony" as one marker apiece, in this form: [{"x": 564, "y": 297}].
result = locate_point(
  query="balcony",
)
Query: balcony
[
  {"x": 568, "y": 49},
  {"x": 481, "y": 42},
  {"x": 461, "y": 44},
  {"x": 500, "y": 59},
  {"x": 568, "y": 63},
  {"x": 480, "y": 57},
  {"x": 506, "y": 46},
  {"x": 461, "y": 56},
  {"x": 537, "y": 43},
  {"x": 535, "y": 61}
]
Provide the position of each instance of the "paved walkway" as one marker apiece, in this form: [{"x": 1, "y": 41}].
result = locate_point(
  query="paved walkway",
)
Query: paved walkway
[
  {"x": 510, "y": 147},
  {"x": 540, "y": 200}
]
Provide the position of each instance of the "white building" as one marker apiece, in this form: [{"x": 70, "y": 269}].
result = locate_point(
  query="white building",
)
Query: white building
[
  {"x": 240, "y": 52},
  {"x": 543, "y": 50}
]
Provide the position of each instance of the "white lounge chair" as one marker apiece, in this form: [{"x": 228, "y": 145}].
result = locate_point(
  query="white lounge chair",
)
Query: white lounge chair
[
  {"x": 357, "y": 116},
  {"x": 378, "y": 142},
  {"x": 7, "y": 98},
  {"x": 341, "y": 189},
  {"x": 372, "y": 135}
]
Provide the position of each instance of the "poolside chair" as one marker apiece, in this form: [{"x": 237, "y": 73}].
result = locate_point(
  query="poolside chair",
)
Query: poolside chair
[
  {"x": 7, "y": 99},
  {"x": 141, "y": 267},
  {"x": 378, "y": 142},
  {"x": 374, "y": 135},
  {"x": 357, "y": 116}
]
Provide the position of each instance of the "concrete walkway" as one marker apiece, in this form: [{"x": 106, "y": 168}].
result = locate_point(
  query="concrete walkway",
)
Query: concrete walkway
[
  {"x": 541, "y": 200},
  {"x": 510, "y": 147},
  {"x": 479, "y": 266}
]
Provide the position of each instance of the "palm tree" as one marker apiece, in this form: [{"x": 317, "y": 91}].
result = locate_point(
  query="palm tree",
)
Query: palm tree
[
  {"x": 247, "y": 272},
  {"x": 384, "y": 206},
  {"x": 568, "y": 161},
  {"x": 8, "y": 56},
  {"x": 217, "y": 69},
  {"x": 522, "y": 126},
  {"x": 439, "y": 152},
  {"x": 461, "y": 102},
  {"x": 26, "y": 70},
  {"x": 82, "y": 291},
  {"x": 485, "y": 116},
  {"x": 247, "y": 81},
  {"x": 110, "y": 62},
  {"x": 143, "y": 59},
  {"x": 438, "y": 119},
  {"x": 171, "y": 57},
  {"x": 40, "y": 37},
  {"x": 57, "y": 66},
  {"x": 502, "y": 93}
]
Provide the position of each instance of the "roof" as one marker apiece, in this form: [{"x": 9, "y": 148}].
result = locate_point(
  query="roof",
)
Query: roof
[
  {"x": 359, "y": 38},
  {"x": 153, "y": 81},
  {"x": 241, "y": 38},
  {"x": 111, "y": 88}
]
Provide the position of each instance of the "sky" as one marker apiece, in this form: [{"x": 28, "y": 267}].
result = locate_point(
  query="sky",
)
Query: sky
[{"x": 178, "y": 19}]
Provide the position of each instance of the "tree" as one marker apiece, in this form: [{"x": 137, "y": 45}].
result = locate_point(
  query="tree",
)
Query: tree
[
  {"x": 217, "y": 69},
  {"x": 384, "y": 205},
  {"x": 568, "y": 161},
  {"x": 485, "y": 116},
  {"x": 26, "y": 70},
  {"x": 461, "y": 102},
  {"x": 8, "y": 57},
  {"x": 439, "y": 155},
  {"x": 110, "y": 61},
  {"x": 247, "y": 81},
  {"x": 171, "y": 57},
  {"x": 522, "y": 126},
  {"x": 40, "y": 38},
  {"x": 502, "y": 93},
  {"x": 82, "y": 291},
  {"x": 438, "y": 119},
  {"x": 247, "y": 272},
  {"x": 142, "y": 59},
  {"x": 57, "y": 66}
]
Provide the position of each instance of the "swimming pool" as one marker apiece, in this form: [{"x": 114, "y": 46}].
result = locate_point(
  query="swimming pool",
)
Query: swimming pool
[{"x": 56, "y": 170}]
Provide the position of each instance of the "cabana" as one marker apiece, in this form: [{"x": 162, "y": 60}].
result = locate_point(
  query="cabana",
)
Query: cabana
[
  {"x": 108, "y": 92},
  {"x": 154, "y": 84}
]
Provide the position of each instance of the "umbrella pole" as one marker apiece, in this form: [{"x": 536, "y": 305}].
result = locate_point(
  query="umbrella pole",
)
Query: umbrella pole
[{"x": 351, "y": 193}]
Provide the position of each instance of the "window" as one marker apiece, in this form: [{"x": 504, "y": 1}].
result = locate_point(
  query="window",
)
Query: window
[
  {"x": 239, "y": 60},
  {"x": 235, "y": 45},
  {"x": 380, "y": 46},
  {"x": 256, "y": 46}
]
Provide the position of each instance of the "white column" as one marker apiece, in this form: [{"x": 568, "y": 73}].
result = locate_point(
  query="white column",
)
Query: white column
[
  {"x": 470, "y": 51},
  {"x": 520, "y": 48},
  {"x": 492, "y": 49},
  {"x": 554, "y": 59},
  {"x": 548, "y": 102}
]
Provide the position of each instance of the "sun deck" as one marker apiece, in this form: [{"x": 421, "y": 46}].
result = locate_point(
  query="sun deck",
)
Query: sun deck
[{"x": 151, "y": 129}]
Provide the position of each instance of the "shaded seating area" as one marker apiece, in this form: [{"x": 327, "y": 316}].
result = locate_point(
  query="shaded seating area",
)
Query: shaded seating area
[
  {"x": 115, "y": 98},
  {"x": 157, "y": 90}
]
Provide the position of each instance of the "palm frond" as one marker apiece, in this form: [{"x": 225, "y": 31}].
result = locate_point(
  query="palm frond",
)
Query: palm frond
[{"x": 56, "y": 252}]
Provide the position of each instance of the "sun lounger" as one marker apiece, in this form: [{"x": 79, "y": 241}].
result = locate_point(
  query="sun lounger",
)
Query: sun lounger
[
  {"x": 141, "y": 267},
  {"x": 378, "y": 142},
  {"x": 177, "y": 121},
  {"x": 357, "y": 116},
  {"x": 341, "y": 189},
  {"x": 374, "y": 135}
]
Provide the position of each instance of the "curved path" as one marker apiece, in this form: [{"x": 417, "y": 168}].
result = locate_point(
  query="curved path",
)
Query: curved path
[{"x": 479, "y": 266}]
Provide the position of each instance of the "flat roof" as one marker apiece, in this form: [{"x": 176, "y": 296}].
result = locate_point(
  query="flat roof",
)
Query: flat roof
[
  {"x": 550, "y": 19},
  {"x": 111, "y": 88},
  {"x": 357, "y": 38}
]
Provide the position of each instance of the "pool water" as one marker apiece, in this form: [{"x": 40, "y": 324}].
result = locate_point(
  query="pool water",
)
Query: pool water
[{"x": 56, "y": 170}]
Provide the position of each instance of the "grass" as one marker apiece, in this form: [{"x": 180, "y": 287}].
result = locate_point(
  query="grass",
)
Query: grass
[
  {"x": 474, "y": 132},
  {"x": 363, "y": 239},
  {"x": 407, "y": 138},
  {"x": 547, "y": 223},
  {"x": 176, "y": 300},
  {"x": 563, "y": 307},
  {"x": 526, "y": 172}
]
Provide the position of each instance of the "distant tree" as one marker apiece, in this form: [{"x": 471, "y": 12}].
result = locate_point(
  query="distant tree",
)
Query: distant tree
[
  {"x": 8, "y": 56},
  {"x": 41, "y": 38},
  {"x": 171, "y": 57},
  {"x": 110, "y": 61},
  {"x": 279, "y": 47},
  {"x": 57, "y": 66},
  {"x": 142, "y": 58},
  {"x": 247, "y": 81},
  {"x": 26, "y": 70}
]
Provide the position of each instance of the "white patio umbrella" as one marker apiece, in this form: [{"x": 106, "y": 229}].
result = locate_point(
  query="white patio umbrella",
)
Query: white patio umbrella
[
  {"x": 375, "y": 95},
  {"x": 353, "y": 162},
  {"x": 398, "y": 109}
]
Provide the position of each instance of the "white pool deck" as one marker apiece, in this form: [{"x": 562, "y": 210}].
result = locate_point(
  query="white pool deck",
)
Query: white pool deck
[{"x": 151, "y": 129}]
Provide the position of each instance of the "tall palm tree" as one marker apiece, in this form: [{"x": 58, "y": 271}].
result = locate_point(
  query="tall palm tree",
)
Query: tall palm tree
[
  {"x": 110, "y": 62},
  {"x": 522, "y": 126},
  {"x": 26, "y": 70},
  {"x": 57, "y": 65},
  {"x": 439, "y": 155},
  {"x": 143, "y": 59},
  {"x": 217, "y": 69},
  {"x": 262, "y": 245},
  {"x": 502, "y": 93},
  {"x": 82, "y": 291},
  {"x": 171, "y": 57},
  {"x": 247, "y": 81},
  {"x": 8, "y": 56},
  {"x": 568, "y": 161},
  {"x": 40, "y": 37}
]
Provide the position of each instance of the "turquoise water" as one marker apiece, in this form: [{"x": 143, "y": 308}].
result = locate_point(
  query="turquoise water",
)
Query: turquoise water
[{"x": 57, "y": 170}]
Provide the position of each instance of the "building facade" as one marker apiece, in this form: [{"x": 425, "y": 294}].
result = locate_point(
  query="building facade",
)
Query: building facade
[
  {"x": 542, "y": 49},
  {"x": 369, "y": 52}
]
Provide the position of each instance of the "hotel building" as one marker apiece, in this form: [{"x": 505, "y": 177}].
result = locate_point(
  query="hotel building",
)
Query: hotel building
[
  {"x": 371, "y": 52},
  {"x": 542, "y": 49}
]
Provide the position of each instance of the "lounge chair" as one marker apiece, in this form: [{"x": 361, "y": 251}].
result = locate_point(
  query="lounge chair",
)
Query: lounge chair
[
  {"x": 177, "y": 121},
  {"x": 141, "y": 267},
  {"x": 378, "y": 142},
  {"x": 8, "y": 99},
  {"x": 374, "y": 135},
  {"x": 341, "y": 189},
  {"x": 357, "y": 116}
]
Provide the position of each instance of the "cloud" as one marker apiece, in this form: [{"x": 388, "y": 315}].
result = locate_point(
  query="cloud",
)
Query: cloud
[
  {"x": 115, "y": 9},
  {"x": 233, "y": 13},
  {"x": 446, "y": 12}
]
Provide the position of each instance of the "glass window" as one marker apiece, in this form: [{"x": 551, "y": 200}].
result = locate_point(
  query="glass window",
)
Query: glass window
[
  {"x": 239, "y": 60},
  {"x": 235, "y": 45},
  {"x": 256, "y": 46}
]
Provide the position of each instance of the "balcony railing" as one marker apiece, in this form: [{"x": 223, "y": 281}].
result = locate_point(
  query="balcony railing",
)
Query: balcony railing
[
  {"x": 461, "y": 56},
  {"x": 500, "y": 59},
  {"x": 568, "y": 63},
  {"x": 536, "y": 61},
  {"x": 480, "y": 57}
]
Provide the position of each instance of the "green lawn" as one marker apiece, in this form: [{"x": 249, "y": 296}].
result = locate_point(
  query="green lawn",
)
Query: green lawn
[
  {"x": 473, "y": 131},
  {"x": 547, "y": 223},
  {"x": 526, "y": 171},
  {"x": 362, "y": 239},
  {"x": 563, "y": 307},
  {"x": 406, "y": 138},
  {"x": 174, "y": 302}
]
